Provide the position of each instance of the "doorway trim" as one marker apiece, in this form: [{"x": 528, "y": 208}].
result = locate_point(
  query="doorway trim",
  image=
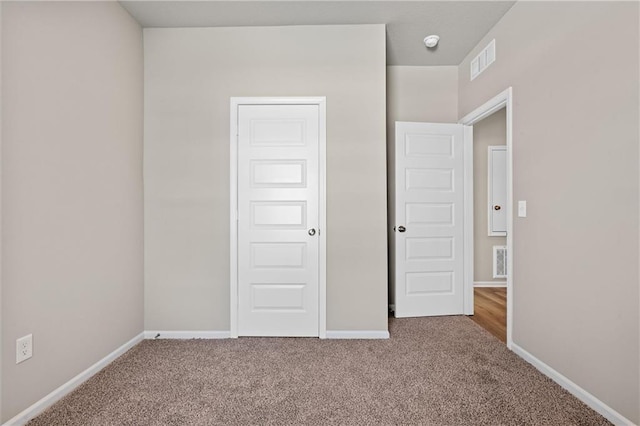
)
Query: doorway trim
[
  {"x": 235, "y": 103},
  {"x": 502, "y": 100}
]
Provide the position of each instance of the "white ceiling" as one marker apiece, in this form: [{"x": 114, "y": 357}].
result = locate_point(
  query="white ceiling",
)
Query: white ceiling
[{"x": 460, "y": 24}]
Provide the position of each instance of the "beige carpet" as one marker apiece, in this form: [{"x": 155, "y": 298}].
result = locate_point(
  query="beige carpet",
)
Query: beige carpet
[{"x": 433, "y": 371}]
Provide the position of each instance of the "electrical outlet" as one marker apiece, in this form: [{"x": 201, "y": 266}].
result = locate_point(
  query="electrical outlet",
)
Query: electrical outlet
[{"x": 24, "y": 348}]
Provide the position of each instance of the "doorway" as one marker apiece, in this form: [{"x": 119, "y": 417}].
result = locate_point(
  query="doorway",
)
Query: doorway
[
  {"x": 491, "y": 300},
  {"x": 277, "y": 217},
  {"x": 489, "y": 230},
  {"x": 433, "y": 249}
]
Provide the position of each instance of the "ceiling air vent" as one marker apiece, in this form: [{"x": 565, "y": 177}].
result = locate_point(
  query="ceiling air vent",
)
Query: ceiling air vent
[{"x": 485, "y": 58}]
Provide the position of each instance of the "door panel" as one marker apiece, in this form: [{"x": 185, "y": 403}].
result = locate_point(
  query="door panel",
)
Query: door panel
[
  {"x": 277, "y": 204},
  {"x": 429, "y": 206}
]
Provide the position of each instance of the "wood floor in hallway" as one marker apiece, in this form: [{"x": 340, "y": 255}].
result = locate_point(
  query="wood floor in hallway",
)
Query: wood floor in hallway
[{"x": 490, "y": 307}]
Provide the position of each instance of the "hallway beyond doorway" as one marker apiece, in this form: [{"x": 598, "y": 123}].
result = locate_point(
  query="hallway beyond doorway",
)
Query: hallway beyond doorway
[{"x": 490, "y": 307}]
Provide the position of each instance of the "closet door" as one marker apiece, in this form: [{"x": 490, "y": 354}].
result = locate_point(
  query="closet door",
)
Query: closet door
[{"x": 278, "y": 220}]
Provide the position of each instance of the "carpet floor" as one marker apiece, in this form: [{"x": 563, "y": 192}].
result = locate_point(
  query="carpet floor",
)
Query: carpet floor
[{"x": 432, "y": 371}]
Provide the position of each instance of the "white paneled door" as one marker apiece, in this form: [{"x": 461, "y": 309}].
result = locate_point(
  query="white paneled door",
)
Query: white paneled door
[
  {"x": 429, "y": 214},
  {"x": 278, "y": 220}
]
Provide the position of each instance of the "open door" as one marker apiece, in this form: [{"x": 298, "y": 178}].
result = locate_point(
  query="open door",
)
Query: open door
[{"x": 431, "y": 224}]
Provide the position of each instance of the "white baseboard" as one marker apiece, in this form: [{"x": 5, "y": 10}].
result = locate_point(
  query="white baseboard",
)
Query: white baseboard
[
  {"x": 609, "y": 413},
  {"x": 46, "y": 402},
  {"x": 158, "y": 334},
  {"x": 357, "y": 334},
  {"x": 489, "y": 283},
  {"x": 336, "y": 334}
]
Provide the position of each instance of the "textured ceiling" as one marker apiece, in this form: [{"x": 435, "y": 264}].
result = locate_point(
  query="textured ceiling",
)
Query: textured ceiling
[{"x": 460, "y": 24}]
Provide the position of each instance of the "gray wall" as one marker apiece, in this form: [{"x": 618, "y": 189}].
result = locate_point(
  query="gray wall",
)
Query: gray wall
[
  {"x": 190, "y": 75},
  {"x": 427, "y": 94},
  {"x": 72, "y": 190},
  {"x": 490, "y": 131},
  {"x": 414, "y": 93},
  {"x": 576, "y": 163}
]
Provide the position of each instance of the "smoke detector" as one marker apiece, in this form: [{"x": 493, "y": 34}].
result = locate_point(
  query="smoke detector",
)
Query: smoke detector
[{"x": 431, "y": 41}]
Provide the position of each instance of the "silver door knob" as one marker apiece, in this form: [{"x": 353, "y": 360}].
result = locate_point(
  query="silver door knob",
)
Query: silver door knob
[
  {"x": 312, "y": 232},
  {"x": 401, "y": 228}
]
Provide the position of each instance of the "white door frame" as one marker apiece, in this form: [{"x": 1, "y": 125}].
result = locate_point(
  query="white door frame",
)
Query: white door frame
[
  {"x": 502, "y": 100},
  {"x": 322, "y": 203}
]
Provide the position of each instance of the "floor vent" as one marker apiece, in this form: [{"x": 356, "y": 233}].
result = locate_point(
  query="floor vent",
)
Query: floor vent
[{"x": 499, "y": 262}]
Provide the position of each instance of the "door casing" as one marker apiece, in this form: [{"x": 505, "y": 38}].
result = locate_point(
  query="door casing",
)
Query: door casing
[{"x": 320, "y": 101}]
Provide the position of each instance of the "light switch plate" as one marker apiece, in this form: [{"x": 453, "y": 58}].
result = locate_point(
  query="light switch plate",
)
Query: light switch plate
[{"x": 522, "y": 209}]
